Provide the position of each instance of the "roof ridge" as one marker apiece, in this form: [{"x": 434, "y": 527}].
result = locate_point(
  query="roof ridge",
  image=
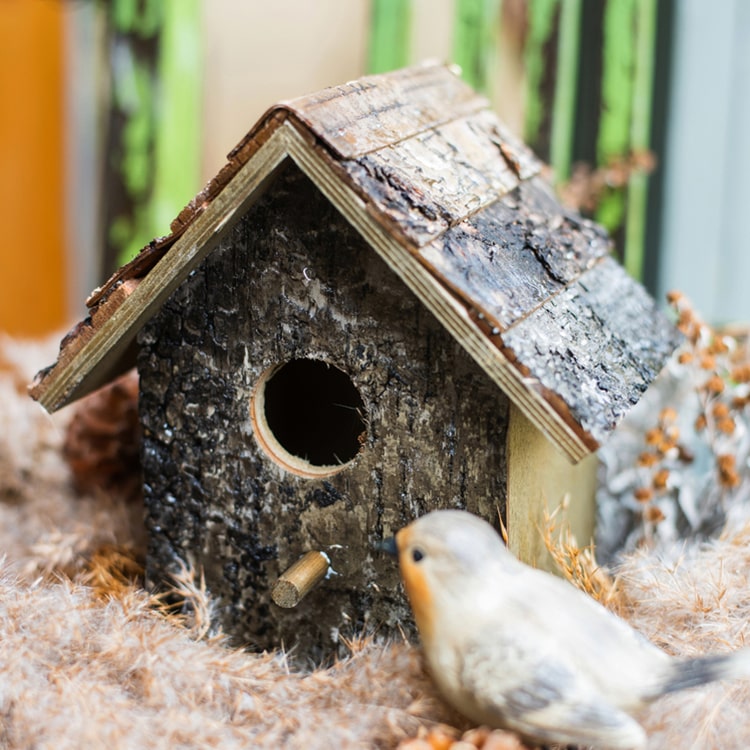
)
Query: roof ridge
[{"x": 404, "y": 102}]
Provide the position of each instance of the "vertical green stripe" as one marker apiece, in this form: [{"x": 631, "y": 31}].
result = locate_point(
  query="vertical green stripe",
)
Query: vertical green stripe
[
  {"x": 134, "y": 37},
  {"x": 475, "y": 40},
  {"x": 159, "y": 95},
  {"x": 617, "y": 78},
  {"x": 617, "y": 94},
  {"x": 177, "y": 152},
  {"x": 640, "y": 135},
  {"x": 541, "y": 25},
  {"x": 390, "y": 33},
  {"x": 564, "y": 106}
]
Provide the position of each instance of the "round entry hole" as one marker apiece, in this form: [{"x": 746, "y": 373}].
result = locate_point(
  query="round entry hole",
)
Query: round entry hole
[{"x": 309, "y": 417}]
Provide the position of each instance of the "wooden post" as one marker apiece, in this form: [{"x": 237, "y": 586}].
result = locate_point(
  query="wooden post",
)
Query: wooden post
[{"x": 300, "y": 579}]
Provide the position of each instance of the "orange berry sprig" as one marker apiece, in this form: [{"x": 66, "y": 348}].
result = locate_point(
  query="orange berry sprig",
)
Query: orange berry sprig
[
  {"x": 721, "y": 365},
  {"x": 663, "y": 450},
  {"x": 675, "y": 476}
]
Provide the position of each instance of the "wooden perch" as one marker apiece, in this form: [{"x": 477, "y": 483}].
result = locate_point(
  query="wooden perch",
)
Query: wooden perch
[{"x": 300, "y": 579}]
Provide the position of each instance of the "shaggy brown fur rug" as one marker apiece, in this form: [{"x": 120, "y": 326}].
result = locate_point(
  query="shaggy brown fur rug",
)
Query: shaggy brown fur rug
[{"x": 88, "y": 659}]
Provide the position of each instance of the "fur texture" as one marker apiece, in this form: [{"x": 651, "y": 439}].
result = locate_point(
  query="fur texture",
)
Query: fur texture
[
  {"x": 82, "y": 672},
  {"x": 693, "y": 601},
  {"x": 88, "y": 660}
]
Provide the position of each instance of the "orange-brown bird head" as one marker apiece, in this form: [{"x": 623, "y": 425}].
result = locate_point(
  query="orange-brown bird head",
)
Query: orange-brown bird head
[
  {"x": 416, "y": 579},
  {"x": 442, "y": 557}
]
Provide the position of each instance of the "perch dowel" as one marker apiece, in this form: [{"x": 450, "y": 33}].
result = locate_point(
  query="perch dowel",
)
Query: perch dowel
[{"x": 300, "y": 579}]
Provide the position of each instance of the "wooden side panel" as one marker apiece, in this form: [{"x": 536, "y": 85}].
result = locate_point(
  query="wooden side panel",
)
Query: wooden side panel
[
  {"x": 377, "y": 111},
  {"x": 540, "y": 481},
  {"x": 596, "y": 346},
  {"x": 509, "y": 258}
]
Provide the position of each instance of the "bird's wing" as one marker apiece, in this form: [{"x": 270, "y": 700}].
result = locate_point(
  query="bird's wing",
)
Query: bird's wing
[{"x": 541, "y": 696}]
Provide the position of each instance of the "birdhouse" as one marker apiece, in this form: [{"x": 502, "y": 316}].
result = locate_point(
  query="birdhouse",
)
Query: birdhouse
[{"x": 376, "y": 308}]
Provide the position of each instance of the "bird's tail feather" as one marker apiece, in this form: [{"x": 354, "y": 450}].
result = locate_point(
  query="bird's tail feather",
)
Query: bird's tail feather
[{"x": 686, "y": 673}]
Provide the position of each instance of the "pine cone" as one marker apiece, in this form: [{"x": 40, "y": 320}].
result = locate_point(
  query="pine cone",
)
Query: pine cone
[{"x": 103, "y": 440}]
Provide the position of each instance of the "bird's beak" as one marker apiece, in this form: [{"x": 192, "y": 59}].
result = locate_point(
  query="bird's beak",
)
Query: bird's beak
[{"x": 388, "y": 546}]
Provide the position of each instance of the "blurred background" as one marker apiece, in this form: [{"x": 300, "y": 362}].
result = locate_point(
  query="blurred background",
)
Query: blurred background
[{"x": 114, "y": 113}]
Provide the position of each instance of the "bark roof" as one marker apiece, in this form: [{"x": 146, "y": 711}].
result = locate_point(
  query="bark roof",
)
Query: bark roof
[{"x": 456, "y": 205}]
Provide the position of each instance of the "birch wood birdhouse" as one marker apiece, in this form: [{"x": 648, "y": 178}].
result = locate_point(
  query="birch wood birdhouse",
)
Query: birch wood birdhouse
[{"x": 377, "y": 308}]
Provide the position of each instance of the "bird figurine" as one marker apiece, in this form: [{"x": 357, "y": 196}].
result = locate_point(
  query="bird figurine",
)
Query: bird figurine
[{"x": 513, "y": 647}]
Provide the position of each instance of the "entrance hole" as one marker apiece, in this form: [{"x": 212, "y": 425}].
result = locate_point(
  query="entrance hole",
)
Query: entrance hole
[{"x": 309, "y": 416}]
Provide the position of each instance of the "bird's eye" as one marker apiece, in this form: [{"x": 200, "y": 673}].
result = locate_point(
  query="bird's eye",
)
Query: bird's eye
[{"x": 417, "y": 554}]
